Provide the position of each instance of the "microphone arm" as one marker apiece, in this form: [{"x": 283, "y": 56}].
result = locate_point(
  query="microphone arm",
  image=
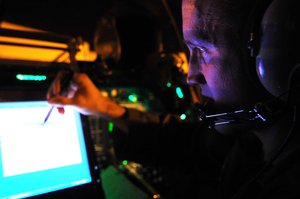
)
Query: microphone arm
[{"x": 254, "y": 115}]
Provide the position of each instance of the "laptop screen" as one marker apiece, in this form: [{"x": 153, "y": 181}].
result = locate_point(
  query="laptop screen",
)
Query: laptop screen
[{"x": 37, "y": 158}]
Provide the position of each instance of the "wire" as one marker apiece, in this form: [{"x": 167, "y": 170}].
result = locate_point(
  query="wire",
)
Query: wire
[
  {"x": 269, "y": 163},
  {"x": 174, "y": 24}
]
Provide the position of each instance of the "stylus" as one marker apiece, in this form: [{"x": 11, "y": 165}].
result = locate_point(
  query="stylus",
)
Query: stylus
[
  {"x": 48, "y": 114},
  {"x": 65, "y": 83}
]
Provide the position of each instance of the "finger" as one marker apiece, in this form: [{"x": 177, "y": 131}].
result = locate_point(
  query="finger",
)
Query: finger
[
  {"x": 55, "y": 87},
  {"x": 57, "y": 82},
  {"x": 49, "y": 93},
  {"x": 81, "y": 79},
  {"x": 52, "y": 91},
  {"x": 61, "y": 110}
]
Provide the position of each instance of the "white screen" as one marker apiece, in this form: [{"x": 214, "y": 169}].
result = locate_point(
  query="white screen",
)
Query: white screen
[
  {"x": 24, "y": 140},
  {"x": 55, "y": 151}
]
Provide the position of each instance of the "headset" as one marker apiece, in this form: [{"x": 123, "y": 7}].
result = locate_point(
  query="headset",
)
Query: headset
[{"x": 272, "y": 40}]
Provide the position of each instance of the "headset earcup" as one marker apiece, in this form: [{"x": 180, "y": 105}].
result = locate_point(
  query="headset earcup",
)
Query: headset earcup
[
  {"x": 276, "y": 57},
  {"x": 252, "y": 39}
]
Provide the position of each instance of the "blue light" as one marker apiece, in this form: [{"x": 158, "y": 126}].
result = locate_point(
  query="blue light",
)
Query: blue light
[
  {"x": 27, "y": 77},
  {"x": 261, "y": 69},
  {"x": 133, "y": 98},
  {"x": 179, "y": 92},
  {"x": 183, "y": 116}
]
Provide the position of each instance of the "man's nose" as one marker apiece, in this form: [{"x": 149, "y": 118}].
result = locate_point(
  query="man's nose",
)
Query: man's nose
[
  {"x": 195, "y": 79},
  {"x": 195, "y": 75}
]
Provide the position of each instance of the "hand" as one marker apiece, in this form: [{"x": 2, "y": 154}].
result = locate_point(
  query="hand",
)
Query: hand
[{"x": 84, "y": 96}]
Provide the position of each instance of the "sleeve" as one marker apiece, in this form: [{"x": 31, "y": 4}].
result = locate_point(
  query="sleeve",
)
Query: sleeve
[{"x": 163, "y": 143}]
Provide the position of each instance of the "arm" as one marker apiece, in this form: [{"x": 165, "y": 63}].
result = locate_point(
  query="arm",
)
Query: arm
[
  {"x": 86, "y": 98},
  {"x": 144, "y": 138}
]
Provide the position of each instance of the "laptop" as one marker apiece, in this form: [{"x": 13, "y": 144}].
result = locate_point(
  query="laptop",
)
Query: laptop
[{"x": 51, "y": 160}]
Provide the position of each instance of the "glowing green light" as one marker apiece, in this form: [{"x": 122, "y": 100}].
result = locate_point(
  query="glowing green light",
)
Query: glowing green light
[
  {"x": 169, "y": 84},
  {"x": 133, "y": 98},
  {"x": 27, "y": 77},
  {"x": 183, "y": 116},
  {"x": 110, "y": 127},
  {"x": 125, "y": 162},
  {"x": 179, "y": 92},
  {"x": 19, "y": 77}
]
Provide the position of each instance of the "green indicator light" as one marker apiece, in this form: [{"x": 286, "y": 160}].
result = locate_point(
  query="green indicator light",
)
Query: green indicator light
[
  {"x": 169, "y": 84},
  {"x": 110, "y": 127},
  {"x": 183, "y": 116},
  {"x": 133, "y": 98},
  {"x": 19, "y": 77},
  {"x": 124, "y": 162},
  {"x": 179, "y": 92},
  {"x": 27, "y": 77}
]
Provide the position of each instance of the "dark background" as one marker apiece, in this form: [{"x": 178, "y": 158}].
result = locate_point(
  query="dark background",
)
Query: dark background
[
  {"x": 137, "y": 20},
  {"x": 79, "y": 18}
]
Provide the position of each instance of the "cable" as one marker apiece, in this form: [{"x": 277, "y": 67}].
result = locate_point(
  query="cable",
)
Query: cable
[
  {"x": 269, "y": 163},
  {"x": 173, "y": 22}
]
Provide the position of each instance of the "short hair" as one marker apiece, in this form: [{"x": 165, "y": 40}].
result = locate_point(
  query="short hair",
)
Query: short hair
[{"x": 228, "y": 17}]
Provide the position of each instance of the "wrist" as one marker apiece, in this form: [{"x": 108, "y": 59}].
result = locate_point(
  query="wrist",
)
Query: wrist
[
  {"x": 115, "y": 110},
  {"x": 125, "y": 114}
]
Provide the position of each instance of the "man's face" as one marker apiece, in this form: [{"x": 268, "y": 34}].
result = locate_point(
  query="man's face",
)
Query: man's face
[{"x": 213, "y": 66}]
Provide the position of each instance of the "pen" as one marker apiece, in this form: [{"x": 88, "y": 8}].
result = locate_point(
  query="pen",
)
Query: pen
[
  {"x": 48, "y": 114},
  {"x": 65, "y": 83}
]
